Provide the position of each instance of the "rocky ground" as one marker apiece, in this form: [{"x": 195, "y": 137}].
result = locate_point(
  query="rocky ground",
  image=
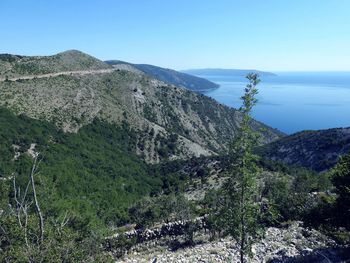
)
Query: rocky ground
[{"x": 278, "y": 245}]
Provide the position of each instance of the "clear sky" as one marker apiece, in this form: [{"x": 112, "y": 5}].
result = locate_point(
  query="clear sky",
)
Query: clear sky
[{"x": 253, "y": 34}]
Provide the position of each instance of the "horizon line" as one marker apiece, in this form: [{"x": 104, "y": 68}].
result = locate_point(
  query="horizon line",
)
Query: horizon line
[{"x": 194, "y": 68}]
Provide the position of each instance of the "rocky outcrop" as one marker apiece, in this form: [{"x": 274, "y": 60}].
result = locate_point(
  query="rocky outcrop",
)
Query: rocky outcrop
[
  {"x": 278, "y": 245},
  {"x": 327, "y": 255},
  {"x": 116, "y": 243}
]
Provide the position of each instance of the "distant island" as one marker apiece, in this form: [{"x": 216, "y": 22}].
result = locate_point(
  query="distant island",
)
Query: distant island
[{"x": 226, "y": 72}]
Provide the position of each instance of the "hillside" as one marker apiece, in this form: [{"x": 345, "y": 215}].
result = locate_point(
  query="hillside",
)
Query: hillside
[
  {"x": 126, "y": 159},
  {"x": 94, "y": 179},
  {"x": 170, "y": 76},
  {"x": 317, "y": 150},
  {"x": 170, "y": 122},
  {"x": 226, "y": 72},
  {"x": 72, "y": 60},
  {"x": 83, "y": 171}
]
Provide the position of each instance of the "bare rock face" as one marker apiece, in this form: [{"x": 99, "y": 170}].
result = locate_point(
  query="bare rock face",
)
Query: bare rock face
[{"x": 72, "y": 89}]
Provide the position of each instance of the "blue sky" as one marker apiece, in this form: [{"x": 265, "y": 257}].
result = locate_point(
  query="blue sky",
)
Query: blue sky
[{"x": 272, "y": 35}]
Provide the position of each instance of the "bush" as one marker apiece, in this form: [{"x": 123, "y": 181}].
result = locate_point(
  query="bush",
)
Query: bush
[{"x": 341, "y": 181}]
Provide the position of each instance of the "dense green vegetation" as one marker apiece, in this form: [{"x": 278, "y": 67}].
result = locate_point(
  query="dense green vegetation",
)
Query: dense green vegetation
[
  {"x": 317, "y": 150},
  {"x": 331, "y": 212},
  {"x": 91, "y": 181},
  {"x": 93, "y": 173},
  {"x": 165, "y": 208},
  {"x": 341, "y": 181},
  {"x": 91, "y": 178}
]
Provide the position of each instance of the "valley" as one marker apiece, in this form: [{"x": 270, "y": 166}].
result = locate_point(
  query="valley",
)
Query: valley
[
  {"x": 125, "y": 151},
  {"x": 175, "y": 131}
]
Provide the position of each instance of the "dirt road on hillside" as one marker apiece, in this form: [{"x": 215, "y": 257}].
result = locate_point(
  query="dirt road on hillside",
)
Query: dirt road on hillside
[{"x": 69, "y": 73}]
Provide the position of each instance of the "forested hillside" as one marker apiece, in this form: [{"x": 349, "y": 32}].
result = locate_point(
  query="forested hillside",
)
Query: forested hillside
[
  {"x": 318, "y": 150},
  {"x": 100, "y": 164},
  {"x": 94, "y": 173},
  {"x": 88, "y": 179},
  {"x": 92, "y": 181}
]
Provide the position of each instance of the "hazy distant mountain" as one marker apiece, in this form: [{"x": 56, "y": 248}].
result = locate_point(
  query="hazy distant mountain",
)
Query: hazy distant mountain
[
  {"x": 226, "y": 72},
  {"x": 170, "y": 76}
]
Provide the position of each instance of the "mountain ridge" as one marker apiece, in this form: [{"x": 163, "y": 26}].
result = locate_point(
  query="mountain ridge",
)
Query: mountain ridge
[
  {"x": 171, "y": 122},
  {"x": 71, "y": 60},
  {"x": 171, "y": 76}
]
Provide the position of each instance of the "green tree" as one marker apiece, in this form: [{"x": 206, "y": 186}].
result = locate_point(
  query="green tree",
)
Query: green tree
[
  {"x": 341, "y": 181},
  {"x": 241, "y": 210}
]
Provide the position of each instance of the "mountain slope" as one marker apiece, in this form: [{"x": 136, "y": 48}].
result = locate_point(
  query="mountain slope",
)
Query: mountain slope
[
  {"x": 82, "y": 172},
  {"x": 72, "y": 60},
  {"x": 170, "y": 122},
  {"x": 170, "y": 76},
  {"x": 318, "y": 150}
]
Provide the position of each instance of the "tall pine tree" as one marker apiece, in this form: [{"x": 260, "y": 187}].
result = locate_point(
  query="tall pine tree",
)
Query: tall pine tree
[{"x": 240, "y": 212}]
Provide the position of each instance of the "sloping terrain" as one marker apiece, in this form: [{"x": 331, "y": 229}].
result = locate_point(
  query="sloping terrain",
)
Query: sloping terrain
[
  {"x": 318, "y": 150},
  {"x": 94, "y": 174},
  {"x": 170, "y": 76},
  {"x": 14, "y": 65},
  {"x": 170, "y": 122},
  {"x": 278, "y": 245}
]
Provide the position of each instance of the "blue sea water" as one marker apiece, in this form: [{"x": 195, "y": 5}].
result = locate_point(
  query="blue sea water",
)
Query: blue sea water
[{"x": 292, "y": 101}]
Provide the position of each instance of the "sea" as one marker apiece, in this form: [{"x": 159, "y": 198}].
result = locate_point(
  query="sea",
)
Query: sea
[{"x": 292, "y": 101}]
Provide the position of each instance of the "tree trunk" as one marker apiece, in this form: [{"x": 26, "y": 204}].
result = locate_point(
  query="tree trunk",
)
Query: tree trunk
[
  {"x": 38, "y": 210},
  {"x": 242, "y": 203}
]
